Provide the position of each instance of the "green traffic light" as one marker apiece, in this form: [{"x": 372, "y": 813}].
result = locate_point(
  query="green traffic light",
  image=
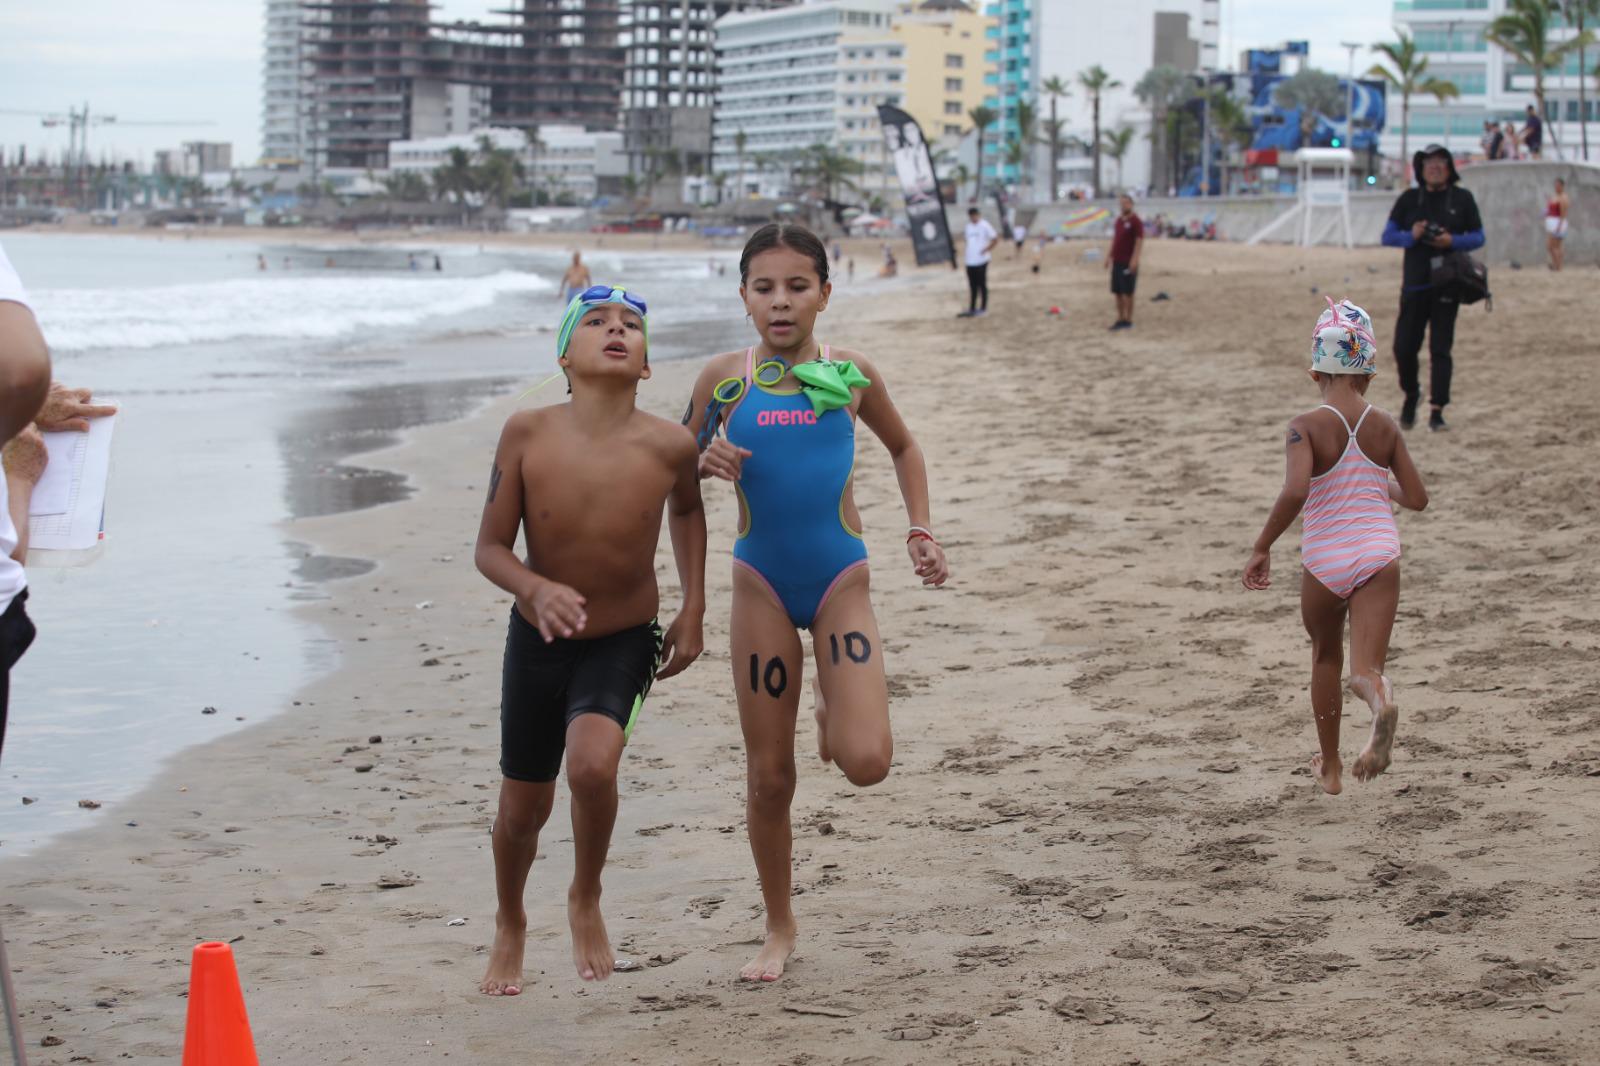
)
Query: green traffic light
[{"x": 1336, "y": 142}]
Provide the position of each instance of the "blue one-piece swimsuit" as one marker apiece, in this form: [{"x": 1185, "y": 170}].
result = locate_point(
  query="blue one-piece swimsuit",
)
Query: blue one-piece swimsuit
[{"x": 792, "y": 488}]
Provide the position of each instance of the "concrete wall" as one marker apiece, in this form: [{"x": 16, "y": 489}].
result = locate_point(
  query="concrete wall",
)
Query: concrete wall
[
  {"x": 1237, "y": 218},
  {"x": 1512, "y": 197}
]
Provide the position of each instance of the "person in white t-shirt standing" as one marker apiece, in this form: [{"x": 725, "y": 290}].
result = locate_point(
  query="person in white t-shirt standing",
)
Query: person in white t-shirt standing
[
  {"x": 981, "y": 239},
  {"x": 28, "y": 403},
  {"x": 24, "y": 383}
]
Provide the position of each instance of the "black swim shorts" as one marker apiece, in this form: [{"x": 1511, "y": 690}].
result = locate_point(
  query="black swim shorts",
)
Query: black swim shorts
[
  {"x": 1122, "y": 279},
  {"x": 543, "y": 687}
]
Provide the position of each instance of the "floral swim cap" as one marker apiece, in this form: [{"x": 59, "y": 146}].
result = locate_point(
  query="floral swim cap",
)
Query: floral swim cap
[{"x": 1342, "y": 343}]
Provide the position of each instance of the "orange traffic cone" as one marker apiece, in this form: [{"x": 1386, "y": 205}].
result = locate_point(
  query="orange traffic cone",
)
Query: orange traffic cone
[{"x": 218, "y": 1033}]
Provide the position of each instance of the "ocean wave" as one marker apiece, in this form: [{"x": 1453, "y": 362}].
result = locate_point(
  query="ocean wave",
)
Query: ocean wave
[{"x": 285, "y": 308}]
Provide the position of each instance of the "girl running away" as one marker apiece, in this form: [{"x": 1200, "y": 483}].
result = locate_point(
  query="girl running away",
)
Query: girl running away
[{"x": 1346, "y": 463}]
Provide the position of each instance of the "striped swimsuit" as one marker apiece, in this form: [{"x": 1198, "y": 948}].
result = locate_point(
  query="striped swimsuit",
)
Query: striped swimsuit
[{"x": 1348, "y": 531}]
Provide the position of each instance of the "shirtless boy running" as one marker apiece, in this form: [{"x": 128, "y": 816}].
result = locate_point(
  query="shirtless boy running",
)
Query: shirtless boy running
[{"x": 586, "y": 481}]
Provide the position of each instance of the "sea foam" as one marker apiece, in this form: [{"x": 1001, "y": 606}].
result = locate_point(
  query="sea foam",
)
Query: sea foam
[{"x": 278, "y": 307}]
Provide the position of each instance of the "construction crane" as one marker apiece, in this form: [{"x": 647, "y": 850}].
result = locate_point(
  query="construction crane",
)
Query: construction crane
[{"x": 78, "y": 121}]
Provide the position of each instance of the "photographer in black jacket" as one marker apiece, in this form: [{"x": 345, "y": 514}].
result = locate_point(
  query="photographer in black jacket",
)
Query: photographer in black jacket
[{"x": 1429, "y": 221}]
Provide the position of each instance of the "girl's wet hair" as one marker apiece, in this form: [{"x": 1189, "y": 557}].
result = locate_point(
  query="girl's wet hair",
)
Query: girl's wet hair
[{"x": 784, "y": 235}]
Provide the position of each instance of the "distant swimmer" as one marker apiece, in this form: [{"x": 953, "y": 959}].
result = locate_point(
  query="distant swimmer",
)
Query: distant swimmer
[
  {"x": 583, "y": 646},
  {"x": 1346, "y": 464},
  {"x": 575, "y": 280},
  {"x": 261, "y": 262}
]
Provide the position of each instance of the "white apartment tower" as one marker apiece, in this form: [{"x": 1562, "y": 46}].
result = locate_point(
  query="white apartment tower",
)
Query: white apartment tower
[
  {"x": 799, "y": 76},
  {"x": 1493, "y": 85},
  {"x": 285, "y": 86}
]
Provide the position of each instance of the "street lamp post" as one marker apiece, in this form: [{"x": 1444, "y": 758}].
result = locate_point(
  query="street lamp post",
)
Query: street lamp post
[
  {"x": 1350, "y": 96},
  {"x": 1450, "y": 48}
]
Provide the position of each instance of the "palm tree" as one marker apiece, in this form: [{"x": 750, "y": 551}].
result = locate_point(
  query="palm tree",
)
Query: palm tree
[
  {"x": 1575, "y": 13},
  {"x": 960, "y": 176},
  {"x": 1161, "y": 89},
  {"x": 1056, "y": 89},
  {"x": 739, "y": 142},
  {"x": 456, "y": 177},
  {"x": 1230, "y": 124},
  {"x": 1409, "y": 77},
  {"x": 497, "y": 172},
  {"x": 1313, "y": 92},
  {"x": 1523, "y": 33},
  {"x": 830, "y": 169},
  {"x": 406, "y": 185},
  {"x": 1055, "y": 135},
  {"x": 1182, "y": 137},
  {"x": 1095, "y": 82},
  {"x": 1015, "y": 153},
  {"x": 1115, "y": 144},
  {"x": 1027, "y": 137},
  {"x": 982, "y": 118},
  {"x": 535, "y": 147}
]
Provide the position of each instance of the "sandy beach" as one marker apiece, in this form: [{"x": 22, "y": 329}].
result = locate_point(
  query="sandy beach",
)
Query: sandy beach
[{"x": 1099, "y": 843}]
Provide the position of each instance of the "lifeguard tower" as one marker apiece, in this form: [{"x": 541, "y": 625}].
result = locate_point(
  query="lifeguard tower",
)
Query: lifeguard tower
[{"x": 1324, "y": 185}]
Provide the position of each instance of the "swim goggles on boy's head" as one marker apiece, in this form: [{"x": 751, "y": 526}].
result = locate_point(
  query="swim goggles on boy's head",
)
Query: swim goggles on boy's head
[
  {"x": 1342, "y": 342},
  {"x": 596, "y": 296}
]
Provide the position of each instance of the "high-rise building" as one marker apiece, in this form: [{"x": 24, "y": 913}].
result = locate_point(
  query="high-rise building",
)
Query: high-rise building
[
  {"x": 946, "y": 42},
  {"x": 796, "y": 77},
  {"x": 285, "y": 85},
  {"x": 668, "y": 81},
  {"x": 382, "y": 71},
  {"x": 1493, "y": 85},
  {"x": 554, "y": 61},
  {"x": 1126, "y": 40},
  {"x": 1013, "y": 58}
]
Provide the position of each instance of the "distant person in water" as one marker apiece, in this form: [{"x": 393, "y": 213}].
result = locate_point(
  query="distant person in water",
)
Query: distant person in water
[
  {"x": 575, "y": 280},
  {"x": 438, "y": 264}
]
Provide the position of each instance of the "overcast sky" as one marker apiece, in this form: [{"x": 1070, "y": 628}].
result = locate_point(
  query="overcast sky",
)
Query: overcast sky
[{"x": 199, "y": 61}]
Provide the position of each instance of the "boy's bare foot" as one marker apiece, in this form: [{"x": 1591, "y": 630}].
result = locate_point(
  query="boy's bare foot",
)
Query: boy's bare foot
[
  {"x": 822, "y": 723},
  {"x": 1327, "y": 774},
  {"x": 1374, "y": 758},
  {"x": 769, "y": 961},
  {"x": 504, "y": 976},
  {"x": 591, "y": 950}
]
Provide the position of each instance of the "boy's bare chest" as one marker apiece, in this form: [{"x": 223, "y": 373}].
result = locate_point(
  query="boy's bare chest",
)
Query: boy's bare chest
[{"x": 572, "y": 491}]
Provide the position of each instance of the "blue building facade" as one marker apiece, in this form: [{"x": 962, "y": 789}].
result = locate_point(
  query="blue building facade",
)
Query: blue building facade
[{"x": 1013, "y": 60}]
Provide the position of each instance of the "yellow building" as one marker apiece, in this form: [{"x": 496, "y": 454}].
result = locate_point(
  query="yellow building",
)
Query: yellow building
[{"x": 945, "y": 41}]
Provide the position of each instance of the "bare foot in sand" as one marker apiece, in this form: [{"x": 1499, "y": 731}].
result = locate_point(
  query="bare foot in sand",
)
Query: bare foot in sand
[
  {"x": 769, "y": 961},
  {"x": 504, "y": 976},
  {"x": 1327, "y": 774},
  {"x": 822, "y": 723},
  {"x": 591, "y": 950},
  {"x": 1374, "y": 758}
]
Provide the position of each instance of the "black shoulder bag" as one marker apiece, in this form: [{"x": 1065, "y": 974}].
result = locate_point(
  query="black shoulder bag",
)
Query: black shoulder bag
[{"x": 1460, "y": 275}]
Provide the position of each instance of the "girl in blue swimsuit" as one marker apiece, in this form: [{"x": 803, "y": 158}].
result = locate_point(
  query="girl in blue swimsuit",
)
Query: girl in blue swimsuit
[{"x": 786, "y": 410}]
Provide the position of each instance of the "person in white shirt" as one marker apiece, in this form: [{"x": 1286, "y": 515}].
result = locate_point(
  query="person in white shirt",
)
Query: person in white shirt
[
  {"x": 26, "y": 395},
  {"x": 24, "y": 382},
  {"x": 981, "y": 239}
]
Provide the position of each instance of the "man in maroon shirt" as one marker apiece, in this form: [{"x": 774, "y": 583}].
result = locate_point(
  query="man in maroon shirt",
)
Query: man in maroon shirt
[{"x": 1127, "y": 241}]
